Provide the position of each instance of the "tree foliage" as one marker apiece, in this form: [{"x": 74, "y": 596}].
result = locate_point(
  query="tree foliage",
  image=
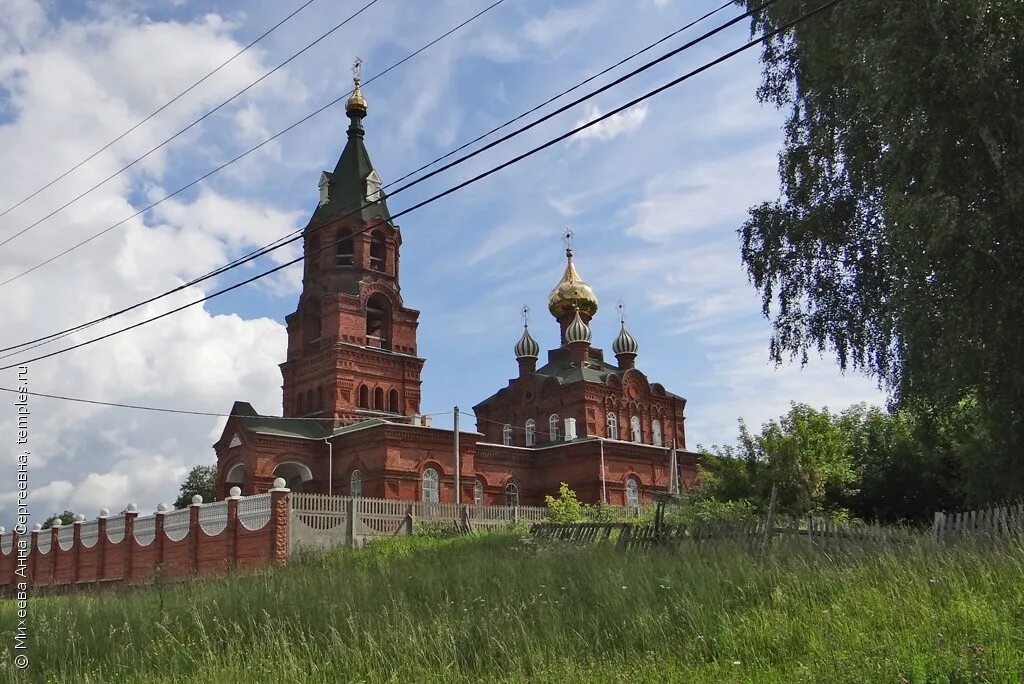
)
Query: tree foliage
[
  {"x": 66, "y": 518},
  {"x": 898, "y": 238},
  {"x": 566, "y": 508},
  {"x": 200, "y": 480}
]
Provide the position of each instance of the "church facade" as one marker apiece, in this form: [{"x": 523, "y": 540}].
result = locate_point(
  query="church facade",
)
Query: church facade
[{"x": 351, "y": 422}]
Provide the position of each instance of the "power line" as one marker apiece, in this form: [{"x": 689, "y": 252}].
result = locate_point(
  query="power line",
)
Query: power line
[
  {"x": 159, "y": 109},
  {"x": 285, "y": 239},
  {"x": 159, "y": 409},
  {"x": 251, "y": 149},
  {"x": 568, "y": 90},
  {"x": 191, "y": 125},
  {"x": 468, "y": 182}
]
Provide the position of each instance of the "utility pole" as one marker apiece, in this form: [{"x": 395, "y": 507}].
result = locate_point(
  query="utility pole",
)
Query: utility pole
[
  {"x": 458, "y": 464},
  {"x": 673, "y": 480}
]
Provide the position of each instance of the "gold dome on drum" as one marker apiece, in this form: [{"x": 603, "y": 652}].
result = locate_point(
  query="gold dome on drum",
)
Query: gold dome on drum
[
  {"x": 571, "y": 293},
  {"x": 356, "y": 103}
]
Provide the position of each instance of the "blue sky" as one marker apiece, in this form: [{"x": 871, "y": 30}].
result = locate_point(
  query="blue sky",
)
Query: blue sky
[{"x": 654, "y": 196}]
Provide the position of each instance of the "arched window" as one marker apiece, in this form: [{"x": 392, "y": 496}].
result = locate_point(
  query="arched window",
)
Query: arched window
[
  {"x": 310, "y": 401},
  {"x": 632, "y": 492},
  {"x": 355, "y": 484},
  {"x": 378, "y": 250},
  {"x": 553, "y": 427},
  {"x": 656, "y": 432},
  {"x": 430, "y": 492},
  {"x": 346, "y": 250},
  {"x": 320, "y": 398},
  {"x": 364, "y": 397},
  {"x": 378, "y": 399},
  {"x": 613, "y": 425},
  {"x": 531, "y": 432},
  {"x": 393, "y": 404},
  {"x": 506, "y": 435},
  {"x": 634, "y": 429},
  {"x": 377, "y": 333},
  {"x": 300, "y": 405},
  {"x": 511, "y": 494},
  {"x": 478, "y": 493}
]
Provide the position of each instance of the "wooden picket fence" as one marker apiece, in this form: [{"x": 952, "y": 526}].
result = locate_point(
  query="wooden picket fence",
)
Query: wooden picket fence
[{"x": 997, "y": 522}]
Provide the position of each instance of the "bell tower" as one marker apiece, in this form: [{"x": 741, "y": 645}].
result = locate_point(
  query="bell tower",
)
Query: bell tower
[{"x": 351, "y": 340}]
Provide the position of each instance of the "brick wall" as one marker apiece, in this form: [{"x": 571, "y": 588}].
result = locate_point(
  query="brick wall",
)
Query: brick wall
[{"x": 235, "y": 533}]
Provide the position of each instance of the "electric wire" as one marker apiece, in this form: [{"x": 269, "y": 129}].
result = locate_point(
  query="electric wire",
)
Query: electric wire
[
  {"x": 38, "y": 342},
  {"x": 250, "y": 150},
  {"x": 191, "y": 125},
  {"x": 159, "y": 109},
  {"x": 296, "y": 235},
  {"x": 470, "y": 181}
]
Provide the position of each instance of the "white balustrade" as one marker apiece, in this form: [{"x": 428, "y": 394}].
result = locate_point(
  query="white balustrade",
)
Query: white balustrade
[
  {"x": 254, "y": 512},
  {"x": 115, "y": 529},
  {"x": 7, "y": 542},
  {"x": 43, "y": 541},
  {"x": 89, "y": 533},
  {"x": 66, "y": 537}
]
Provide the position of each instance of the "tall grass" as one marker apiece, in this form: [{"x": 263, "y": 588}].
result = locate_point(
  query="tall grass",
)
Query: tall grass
[{"x": 503, "y": 608}]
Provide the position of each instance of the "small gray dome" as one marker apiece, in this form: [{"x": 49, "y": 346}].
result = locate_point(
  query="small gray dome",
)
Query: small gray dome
[
  {"x": 527, "y": 347},
  {"x": 625, "y": 343},
  {"x": 578, "y": 331}
]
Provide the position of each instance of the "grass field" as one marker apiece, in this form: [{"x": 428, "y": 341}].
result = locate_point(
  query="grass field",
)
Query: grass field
[{"x": 504, "y": 608}]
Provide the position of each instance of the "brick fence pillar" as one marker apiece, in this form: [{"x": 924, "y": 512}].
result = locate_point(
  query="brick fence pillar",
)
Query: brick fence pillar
[
  {"x": 54, "y": 551},
  {"x": 34, "y": 550},
  {"x": 279, "y": 513},
  {"x": 101, "y": 543},
  {"x": 193, "y": 534},
  {"x": 130, "y": 514},
  {"x": 232, "y": 529},
  {"x": 76, "y": 548}
]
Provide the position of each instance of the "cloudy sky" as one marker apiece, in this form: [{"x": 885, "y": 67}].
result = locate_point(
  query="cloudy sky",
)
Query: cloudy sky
[{"x": 654, "y": 196}]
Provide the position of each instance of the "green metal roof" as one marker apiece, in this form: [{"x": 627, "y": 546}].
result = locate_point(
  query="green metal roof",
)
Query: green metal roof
[
  {"x": 299, "y": 428},
  {"x": 347, "y": 184}
]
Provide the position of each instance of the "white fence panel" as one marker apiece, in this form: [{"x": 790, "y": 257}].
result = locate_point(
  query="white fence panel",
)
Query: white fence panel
[
  {"x": 176, "y": 524},
  {"x": 43, "y": 540},
  {"x": 254, "y": 512},
  {"x": 66, "y": 537},
  {"x": 213, "y": 518},
  {"x": 7, "y": 542},
  {"x": 144, "y": 530},
  {"x": 115, "y": 529},
  {"x": 89, "y": 533}
]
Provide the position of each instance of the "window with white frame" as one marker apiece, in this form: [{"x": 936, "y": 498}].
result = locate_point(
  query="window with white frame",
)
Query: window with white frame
[
  {"x": 531, "y": 432},
  {"x": 430, "y": 486},
  {"x": 478, "y": 493},
  {"x": 511, "y": 494},
  {"x": 656, "y": 432},
  {"x": 632, "y": 492},
  {"x": 634, "y": 429},
  {"x": 355, "y": 484},
  {"x": 553, "y": 427},
  {"x": 613, "y": 425},
  {"x": 506, "y": 435}
]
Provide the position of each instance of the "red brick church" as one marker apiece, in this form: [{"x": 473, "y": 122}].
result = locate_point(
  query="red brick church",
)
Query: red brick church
[{"x": 351, "y": 421}]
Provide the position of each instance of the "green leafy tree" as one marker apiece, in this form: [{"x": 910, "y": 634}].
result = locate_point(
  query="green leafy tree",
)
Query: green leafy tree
[
  {"x": 565, "y": 508},
  {"x": 66, "y": 518},
  {"x": 200, "y": 480},
  {"x": 898, "y": 238}
]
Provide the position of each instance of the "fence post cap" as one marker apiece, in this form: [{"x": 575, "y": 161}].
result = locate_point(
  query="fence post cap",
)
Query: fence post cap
[
  {"x": 163, "y": 508},
  {"x": 197, "y": 499},
  {"x": 56, "y": 523},
  {"x": 80, "y": 518},
  {"x": 235, "y": 492},
  {"x": 37, "y": 527},
  {"x": 132, "y": 508},
  {"x": 104, "y": 512},
  {"x": 3, "y": 530},
  {"x": 279, "y": 485}
]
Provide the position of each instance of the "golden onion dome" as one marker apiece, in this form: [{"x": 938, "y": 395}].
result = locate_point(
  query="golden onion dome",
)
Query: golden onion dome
[
  {"x": 571, "y": 293},
  {"x": 356, "y": 103}
]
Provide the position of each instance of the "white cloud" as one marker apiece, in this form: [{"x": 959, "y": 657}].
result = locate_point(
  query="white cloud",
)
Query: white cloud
[
  {"x": 614, "y": 126},
  {"x": 558, "y": 26}
]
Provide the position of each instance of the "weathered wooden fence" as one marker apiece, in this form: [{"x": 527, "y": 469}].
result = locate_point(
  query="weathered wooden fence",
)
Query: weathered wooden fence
[{"x": 988, "y": 523}]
